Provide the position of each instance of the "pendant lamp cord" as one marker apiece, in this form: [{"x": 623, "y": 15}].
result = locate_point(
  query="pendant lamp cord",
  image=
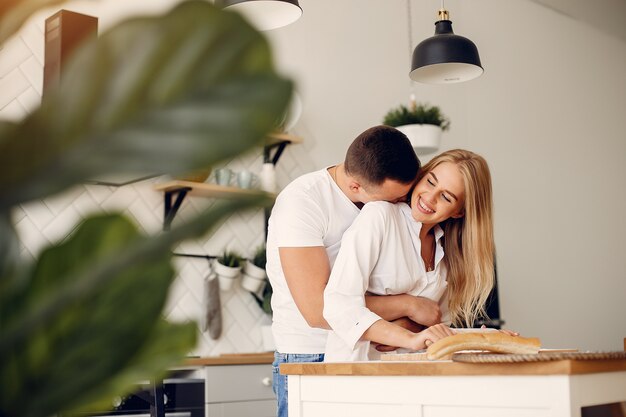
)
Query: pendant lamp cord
[
  {"x": 409, "y": 25},
  {"x": 410, "y": 29}
]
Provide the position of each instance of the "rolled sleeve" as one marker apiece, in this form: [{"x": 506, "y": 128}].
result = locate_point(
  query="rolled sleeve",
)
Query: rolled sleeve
[{"x": 351, "y": 325}]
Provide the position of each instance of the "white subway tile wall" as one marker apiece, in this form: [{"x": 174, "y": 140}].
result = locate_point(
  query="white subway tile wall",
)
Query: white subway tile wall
[{"x": 40, "y": 223}]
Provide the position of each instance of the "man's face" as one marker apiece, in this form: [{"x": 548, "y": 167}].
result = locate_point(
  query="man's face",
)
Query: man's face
[{"x": 390, "y": 190}]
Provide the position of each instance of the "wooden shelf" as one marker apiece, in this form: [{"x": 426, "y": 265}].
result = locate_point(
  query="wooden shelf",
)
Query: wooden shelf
[
  {"x": 205, "y": 189},
  {"x": 232, "y": 359},
  {"x": 274, "y": 138},
  {"x": 275, "y": 142}
]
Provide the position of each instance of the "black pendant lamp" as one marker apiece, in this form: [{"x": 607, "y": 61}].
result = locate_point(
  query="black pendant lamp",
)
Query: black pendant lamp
[
  {"x": 445, "y": 58},
  {"x": 266, "y": 14}
]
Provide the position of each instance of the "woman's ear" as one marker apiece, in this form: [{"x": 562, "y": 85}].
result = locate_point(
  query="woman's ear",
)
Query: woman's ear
[{"x": 458, "y": 215}]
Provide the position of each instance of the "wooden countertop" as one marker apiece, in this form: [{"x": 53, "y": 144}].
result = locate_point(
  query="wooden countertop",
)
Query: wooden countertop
[
  {"x": 440, "y": 368},
  {"x": 232, "y": 359}
]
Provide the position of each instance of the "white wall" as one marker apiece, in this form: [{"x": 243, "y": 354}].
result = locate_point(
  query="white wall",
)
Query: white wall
[{"x": 549, "y": 115}]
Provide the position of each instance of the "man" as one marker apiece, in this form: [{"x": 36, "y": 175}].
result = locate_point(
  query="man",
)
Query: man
[{"x": 304, "y": 236}]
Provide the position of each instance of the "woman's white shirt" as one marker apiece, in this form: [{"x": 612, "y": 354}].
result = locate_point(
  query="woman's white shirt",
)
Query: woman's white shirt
[{"x": 380, "y": 254}]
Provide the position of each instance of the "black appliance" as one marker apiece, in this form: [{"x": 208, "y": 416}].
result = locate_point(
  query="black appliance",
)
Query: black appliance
[{"x": 172, "y": 397}]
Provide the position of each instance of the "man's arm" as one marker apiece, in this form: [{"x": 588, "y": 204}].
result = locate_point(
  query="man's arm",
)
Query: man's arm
[
  {"x": 306, "y": 271},
  {"x": 391, "y": 307}
]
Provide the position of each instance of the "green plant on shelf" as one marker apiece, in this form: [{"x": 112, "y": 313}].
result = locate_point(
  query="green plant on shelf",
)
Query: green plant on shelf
[
  {"x": 260, "y": 259},
  {"x": 416, "y": 114},
  {"x": 266, "y": 303},
  {"x": 231, "y": 259}
]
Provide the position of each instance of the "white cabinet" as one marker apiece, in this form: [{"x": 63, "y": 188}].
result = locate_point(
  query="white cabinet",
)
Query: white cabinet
[{"x": 239, "y": 391}]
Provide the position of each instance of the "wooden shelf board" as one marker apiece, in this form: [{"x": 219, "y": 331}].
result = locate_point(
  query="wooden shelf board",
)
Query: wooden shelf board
[
  {"x": 205, "y": 189},
  {"x": 276, "y": 137},
  {"x": 232, "y": 359}
]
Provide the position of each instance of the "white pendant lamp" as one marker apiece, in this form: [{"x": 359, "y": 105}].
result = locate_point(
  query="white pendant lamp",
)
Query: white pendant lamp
[
  {"x": 445, "y": 58},
  {"x": 266, "y": 14}
]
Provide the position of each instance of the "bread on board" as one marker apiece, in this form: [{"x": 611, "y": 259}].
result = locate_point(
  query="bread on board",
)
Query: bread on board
[{"x": 493, "y": 342}]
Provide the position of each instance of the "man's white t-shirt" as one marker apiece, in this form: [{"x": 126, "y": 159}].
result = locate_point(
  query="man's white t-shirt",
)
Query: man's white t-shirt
[
  {"x": 380, "y": 254},
  {"x": 311, "y": 211}
]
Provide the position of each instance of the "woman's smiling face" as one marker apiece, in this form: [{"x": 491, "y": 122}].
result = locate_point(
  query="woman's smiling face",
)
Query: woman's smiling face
[{"x": 439, "y": 195}]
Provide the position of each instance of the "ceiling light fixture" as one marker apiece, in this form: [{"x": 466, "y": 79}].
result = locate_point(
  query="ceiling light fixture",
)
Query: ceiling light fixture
[
  {"x": 266, "y": 14},
  {"x": 445, "y": 58}
]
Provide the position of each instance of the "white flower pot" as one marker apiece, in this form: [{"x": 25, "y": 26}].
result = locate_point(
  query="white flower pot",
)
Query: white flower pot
[
  {"x": 254, "y": 271},
  {"x": 253, "y": 277},
  {"x": 227, "y": 275},
  {"x": 425, "y": 139}
]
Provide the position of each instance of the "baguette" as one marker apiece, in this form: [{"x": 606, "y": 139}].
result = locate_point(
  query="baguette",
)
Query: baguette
[{"x": 493, "y": 342}]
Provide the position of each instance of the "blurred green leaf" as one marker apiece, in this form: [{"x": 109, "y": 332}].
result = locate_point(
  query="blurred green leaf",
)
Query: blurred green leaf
[
  {"x": 146, "y": 249},
  {"x": 165, "y": 346},
  {"x": 9, "y": 251},
  {"x": 90, "y": 304},
  {"x": 79, "y": 334},
  {"x": 160, "y": 94}
]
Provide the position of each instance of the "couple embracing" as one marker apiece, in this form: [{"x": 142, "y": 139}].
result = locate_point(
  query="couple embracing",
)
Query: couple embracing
[{"x": 379, "y": 250}]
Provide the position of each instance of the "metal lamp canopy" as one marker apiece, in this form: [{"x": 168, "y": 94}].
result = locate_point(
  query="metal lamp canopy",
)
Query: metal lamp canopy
[
  {"x": 445, "y": 58},
  {"x": 266, "y": 14}
]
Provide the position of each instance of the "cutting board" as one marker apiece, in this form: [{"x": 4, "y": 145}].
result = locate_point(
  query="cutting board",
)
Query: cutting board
[{"x": 421, "y": 356}]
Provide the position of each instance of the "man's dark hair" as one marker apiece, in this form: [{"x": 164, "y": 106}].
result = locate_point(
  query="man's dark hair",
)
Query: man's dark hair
[{"x": 380, "y": 153}]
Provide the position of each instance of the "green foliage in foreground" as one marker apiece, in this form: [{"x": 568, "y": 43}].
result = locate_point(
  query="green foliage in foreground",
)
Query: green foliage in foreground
[{"x": 168, "y": 94}]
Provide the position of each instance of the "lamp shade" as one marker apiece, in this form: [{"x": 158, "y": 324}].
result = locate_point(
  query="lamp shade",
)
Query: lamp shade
[
  {"x": 445, "y": 58},
  {"x": 266, "y": 14}
]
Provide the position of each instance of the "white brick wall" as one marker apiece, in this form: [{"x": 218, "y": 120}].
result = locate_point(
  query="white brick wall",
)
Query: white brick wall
[{"x": 42, "y": 222}]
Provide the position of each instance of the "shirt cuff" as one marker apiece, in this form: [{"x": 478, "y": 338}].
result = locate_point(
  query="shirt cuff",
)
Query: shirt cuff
[{"x": 354, "y": 333}]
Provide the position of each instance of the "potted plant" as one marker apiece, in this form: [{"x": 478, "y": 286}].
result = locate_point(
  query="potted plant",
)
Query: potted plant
[
  {"x": 254, "y": 271},
  {"x": 228, "y": 269},
  {"x": 421, "y": 123}
]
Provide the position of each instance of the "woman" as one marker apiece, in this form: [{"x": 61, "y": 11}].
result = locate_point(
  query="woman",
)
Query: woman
[{"x": 439, "y": 246}]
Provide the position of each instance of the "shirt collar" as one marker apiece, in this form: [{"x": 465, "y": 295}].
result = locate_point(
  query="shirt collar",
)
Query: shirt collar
[{"x": 438, "y": 233}]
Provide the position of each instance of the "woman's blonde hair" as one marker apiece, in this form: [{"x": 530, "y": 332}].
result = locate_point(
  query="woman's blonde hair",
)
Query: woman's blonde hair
[{"x": 468, "y": 241}]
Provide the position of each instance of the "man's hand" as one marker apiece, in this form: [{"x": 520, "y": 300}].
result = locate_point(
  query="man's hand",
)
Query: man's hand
[
  {"x": 423, "y": 311},
  {"x": 409, "y": 324}
]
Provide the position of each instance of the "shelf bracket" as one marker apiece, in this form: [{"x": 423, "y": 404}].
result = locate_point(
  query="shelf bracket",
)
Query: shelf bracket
[
  {"x": 189, "y": 255},
  {"x": 280, "y": 147},
  {"x": 171, "y": 210}
]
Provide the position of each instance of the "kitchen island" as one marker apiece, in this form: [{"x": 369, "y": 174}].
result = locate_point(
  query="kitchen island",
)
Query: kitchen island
[{"x": 450, "y": 389}]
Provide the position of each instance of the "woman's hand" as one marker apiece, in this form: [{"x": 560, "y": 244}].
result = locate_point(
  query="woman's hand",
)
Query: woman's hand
[
  {"x": 505, "y": 331},
  {"x": 429, "y": 336},
  {"x": 405, "y": 323}
]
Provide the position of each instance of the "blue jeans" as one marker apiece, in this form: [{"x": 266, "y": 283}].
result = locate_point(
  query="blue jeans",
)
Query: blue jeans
[{"x": 279, "y": 384}]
